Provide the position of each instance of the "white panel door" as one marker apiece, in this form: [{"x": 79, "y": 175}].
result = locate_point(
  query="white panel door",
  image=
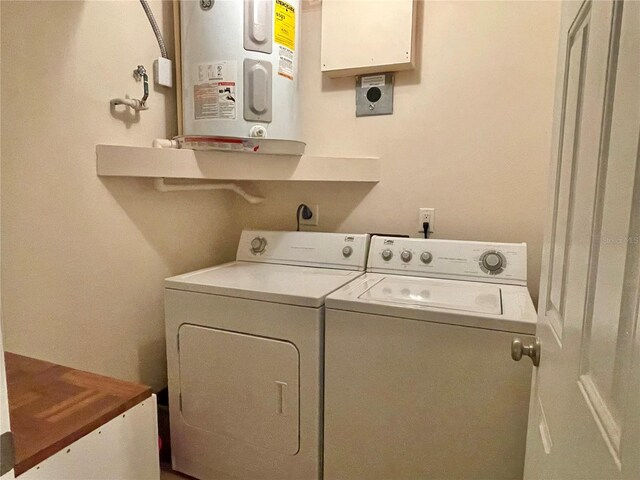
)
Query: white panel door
[
  {"x": 4, "y": 408},
  {"x": 583, "y": 418}
]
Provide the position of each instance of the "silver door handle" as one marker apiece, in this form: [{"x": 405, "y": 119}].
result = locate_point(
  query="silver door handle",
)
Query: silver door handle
[{"x": 530, "y": 349}]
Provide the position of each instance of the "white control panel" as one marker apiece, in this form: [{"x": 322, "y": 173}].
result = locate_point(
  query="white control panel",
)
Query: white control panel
[
  {"x": 455, "y": 259},
  {"x": 331, "y": 250}
]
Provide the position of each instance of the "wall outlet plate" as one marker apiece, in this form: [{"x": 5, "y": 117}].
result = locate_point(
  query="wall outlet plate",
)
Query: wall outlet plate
[
  {"x": 374, "y": 95},
  {"x": 426, "y": 215},
  {"x": 313, "y": 221}
]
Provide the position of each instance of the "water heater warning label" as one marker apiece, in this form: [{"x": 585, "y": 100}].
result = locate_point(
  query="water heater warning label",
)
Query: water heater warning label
[
  {"x": 285, "y": 24},
  {"x": 285, "y": 63},
  {"x": 285, "y": 35},
  {"x": 214, "y": 93}
]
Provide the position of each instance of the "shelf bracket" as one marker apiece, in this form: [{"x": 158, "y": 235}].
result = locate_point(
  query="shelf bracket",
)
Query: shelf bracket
[{"x": 162, "y": 186}]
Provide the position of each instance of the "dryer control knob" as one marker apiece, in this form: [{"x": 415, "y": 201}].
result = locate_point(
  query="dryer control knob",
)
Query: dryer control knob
[
  {"x": 258, "y": 245},
  {"x": 387, "y": 254},
  {"x": 426, "y": 257},
  {"x": 406, "y": 256},
  {"x": 347, "y": 251}
]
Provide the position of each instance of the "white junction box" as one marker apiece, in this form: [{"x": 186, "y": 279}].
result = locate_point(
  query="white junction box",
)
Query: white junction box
[
  {"x": 163, "y": 71},
  {"x": 367, "y": 36}
]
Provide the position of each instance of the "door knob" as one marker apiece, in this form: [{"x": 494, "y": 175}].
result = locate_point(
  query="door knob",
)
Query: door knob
[{"x": 530, "y": 349}]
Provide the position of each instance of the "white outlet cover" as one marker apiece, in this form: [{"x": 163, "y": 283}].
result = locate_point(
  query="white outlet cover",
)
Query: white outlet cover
[{"x": 424, "y": 215}]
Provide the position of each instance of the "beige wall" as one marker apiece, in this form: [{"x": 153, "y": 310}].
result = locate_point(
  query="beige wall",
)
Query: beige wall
[
  {"x": 470, "y": 133},
  {"x": 83, "y": 258}
]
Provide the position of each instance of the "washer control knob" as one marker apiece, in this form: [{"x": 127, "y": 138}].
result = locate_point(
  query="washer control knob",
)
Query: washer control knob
[
  {"x": 387, "y": 254},
  {"x": 492, "y": 262},
  {"x": 347, "y": 251},
  {"x": 258, "y": 245},
  {"x": 406, "y": 256},
  {"x": 426, "y": 257}
]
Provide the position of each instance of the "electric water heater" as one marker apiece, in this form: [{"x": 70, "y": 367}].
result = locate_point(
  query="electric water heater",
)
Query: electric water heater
[{"x": 240, "y": 75}]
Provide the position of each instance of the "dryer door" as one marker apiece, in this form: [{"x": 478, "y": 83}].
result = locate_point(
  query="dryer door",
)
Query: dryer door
[{"x": 240, "y": 386}]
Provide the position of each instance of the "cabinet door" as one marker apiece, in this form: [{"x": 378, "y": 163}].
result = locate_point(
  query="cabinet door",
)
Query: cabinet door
[{"x": 367, "y": 36}]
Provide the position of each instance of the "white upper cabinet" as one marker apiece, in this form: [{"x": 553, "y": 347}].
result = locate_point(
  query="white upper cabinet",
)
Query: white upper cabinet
[{"x": 367, "y": 36}]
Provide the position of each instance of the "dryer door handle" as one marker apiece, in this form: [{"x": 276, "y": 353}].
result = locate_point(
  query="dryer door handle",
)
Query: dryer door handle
[{"x": 281, "y": 398}]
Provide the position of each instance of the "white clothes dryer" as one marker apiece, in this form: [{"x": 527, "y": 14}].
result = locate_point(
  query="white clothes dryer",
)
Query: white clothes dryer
[{"x": 244, "y": 352}]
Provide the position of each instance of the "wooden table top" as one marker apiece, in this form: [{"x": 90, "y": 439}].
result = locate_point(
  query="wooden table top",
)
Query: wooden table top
[{"x": 52, "y": 406}]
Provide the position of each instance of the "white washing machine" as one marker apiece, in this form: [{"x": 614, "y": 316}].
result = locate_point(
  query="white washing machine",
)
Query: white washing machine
[
  {"x": 244, "y": 353},
  {"x": 419, "y": 380}
]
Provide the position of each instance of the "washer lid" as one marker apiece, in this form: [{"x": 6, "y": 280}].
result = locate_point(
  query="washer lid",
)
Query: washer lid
[
  {"x": 475, "y": 298},
  {"x": 506, "y": 308},
  {"x": 304, "y": 286}
]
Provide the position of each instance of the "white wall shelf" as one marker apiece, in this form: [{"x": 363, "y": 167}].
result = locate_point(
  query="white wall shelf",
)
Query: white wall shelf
[{"x": 123, "y": 161}]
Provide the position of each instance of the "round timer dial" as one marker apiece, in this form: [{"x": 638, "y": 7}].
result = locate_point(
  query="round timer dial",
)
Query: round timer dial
[{"x": 492, "y": 262}]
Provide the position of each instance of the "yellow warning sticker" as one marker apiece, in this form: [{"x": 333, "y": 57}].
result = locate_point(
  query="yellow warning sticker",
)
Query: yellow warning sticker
[{"x": 285, "y": 24}]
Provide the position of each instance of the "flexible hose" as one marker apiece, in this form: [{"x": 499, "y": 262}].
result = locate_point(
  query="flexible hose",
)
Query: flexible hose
[
  {"x": 134, "y": 103},
  {"x": 154, "y": 26}
]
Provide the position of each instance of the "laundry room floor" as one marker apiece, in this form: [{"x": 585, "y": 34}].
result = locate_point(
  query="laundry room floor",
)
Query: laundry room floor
[{"x": 168, "y": 474}]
